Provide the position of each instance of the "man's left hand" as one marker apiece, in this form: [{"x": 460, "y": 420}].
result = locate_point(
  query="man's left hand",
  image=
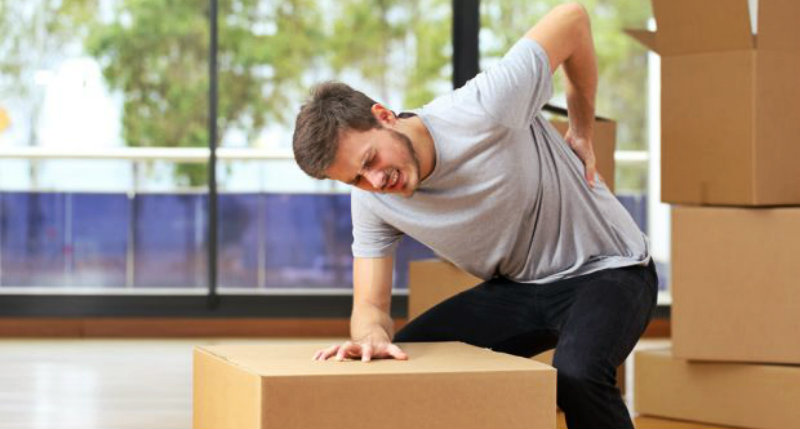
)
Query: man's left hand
[{"x": 583, "y": 147}]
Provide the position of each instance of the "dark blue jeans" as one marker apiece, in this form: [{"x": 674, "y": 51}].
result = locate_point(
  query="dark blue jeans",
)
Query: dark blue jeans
[{"x": 593, "y": 321}]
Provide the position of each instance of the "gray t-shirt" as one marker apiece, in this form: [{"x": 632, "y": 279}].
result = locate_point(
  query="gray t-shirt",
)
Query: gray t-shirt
[{"x": 507, "y": 196}]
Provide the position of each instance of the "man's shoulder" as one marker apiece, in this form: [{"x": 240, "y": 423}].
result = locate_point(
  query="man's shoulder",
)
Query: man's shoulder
[
  {"x": 363, "y": 201},
  {"x": 456, "y": 111},
  {"x": 378, "y": 205}
]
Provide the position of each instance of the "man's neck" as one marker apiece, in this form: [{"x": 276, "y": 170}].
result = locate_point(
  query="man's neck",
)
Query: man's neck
[{"x": 422, "y": 141}]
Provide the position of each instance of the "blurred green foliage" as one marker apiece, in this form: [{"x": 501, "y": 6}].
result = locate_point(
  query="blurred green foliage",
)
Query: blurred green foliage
[
  {"x": 155, "y": 52},
  {"x": 31, "y": 33}
]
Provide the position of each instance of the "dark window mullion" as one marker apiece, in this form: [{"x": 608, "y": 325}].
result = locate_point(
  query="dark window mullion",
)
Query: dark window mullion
[{"x": 466, "y": 26}]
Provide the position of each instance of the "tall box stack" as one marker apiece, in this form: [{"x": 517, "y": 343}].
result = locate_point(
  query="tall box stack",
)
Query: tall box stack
[{"x": 729, "y": 118}]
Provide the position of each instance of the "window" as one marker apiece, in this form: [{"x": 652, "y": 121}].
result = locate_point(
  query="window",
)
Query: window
[
  {"x": 107, "y": 112},
  {"x": 104, "y": 129}
]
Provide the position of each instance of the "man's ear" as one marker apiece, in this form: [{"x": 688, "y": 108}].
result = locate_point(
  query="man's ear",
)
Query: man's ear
[{"x": 383, "y": 115}]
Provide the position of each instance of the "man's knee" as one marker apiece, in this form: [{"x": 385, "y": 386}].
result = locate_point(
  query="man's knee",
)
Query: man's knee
[{"x": 577, "y": 377}]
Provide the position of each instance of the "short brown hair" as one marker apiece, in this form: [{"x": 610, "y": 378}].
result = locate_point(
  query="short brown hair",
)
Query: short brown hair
[{"x": 334, "y": 107}]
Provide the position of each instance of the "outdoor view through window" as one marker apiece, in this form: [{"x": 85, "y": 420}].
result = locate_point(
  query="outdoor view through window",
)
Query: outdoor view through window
[{"x": 104, "y": 121}]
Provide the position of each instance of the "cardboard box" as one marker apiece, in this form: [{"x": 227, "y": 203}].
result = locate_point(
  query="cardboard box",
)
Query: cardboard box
[
  {"x": 431, "y": 281},
  {"x": 605, "y": 141},
  {"x": 729, "y": 101},
  {"x": 746, "y": 395},
  {"x": 442, "y": 385},
  {"x": 736, "y": 284}
]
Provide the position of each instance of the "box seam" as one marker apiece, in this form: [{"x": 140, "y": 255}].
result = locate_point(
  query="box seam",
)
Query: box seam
[{"x": 754, "y": 122}]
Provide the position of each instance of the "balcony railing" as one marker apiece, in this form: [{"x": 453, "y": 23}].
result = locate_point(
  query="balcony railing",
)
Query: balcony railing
[
  {"x": 60, "y": 240},
  {"x": 198, "y": 155}
]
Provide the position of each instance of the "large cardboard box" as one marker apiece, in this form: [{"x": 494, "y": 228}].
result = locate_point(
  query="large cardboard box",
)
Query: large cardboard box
[
  {"x": 746, "y": 395},
  {"x": 441, "y": 385},
  {"x": 604, "y": 142},
  {"x": 729, "y": 101},
  {"x": 736, "y": 284}
]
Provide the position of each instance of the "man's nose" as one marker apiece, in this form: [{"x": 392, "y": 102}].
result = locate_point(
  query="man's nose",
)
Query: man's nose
[{"x": 376, "y": 178}]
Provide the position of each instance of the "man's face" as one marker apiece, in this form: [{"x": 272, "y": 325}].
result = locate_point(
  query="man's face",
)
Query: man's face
[{"x": 379, "y": 160}]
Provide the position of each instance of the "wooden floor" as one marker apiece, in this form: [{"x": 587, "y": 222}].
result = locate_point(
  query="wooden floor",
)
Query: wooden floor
[
  {"x": 642, "y": 422},
  {"x": 109, "y": 384},
  {"x": 117, "y": 384}
]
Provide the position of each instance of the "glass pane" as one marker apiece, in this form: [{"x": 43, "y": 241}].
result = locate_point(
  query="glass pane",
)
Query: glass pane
[
  {"x": 34, "y": 244},
  {"x": 81, "y": 81},
  {"x": 241, "y": 239},
  {"x": 170, "y": 236},
  {"x": 307, "y": 240},
  {"x": 100, "y": 230},
  {"x": 63, "y": 239}
]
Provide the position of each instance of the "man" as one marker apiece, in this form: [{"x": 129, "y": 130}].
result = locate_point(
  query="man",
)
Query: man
[{"x": 482, "y": 178}]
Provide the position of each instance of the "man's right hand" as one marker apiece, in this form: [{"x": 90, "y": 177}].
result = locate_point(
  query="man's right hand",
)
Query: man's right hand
[
  {"x": 371, "y": 327},
  {"x": 366, "y": 349}
]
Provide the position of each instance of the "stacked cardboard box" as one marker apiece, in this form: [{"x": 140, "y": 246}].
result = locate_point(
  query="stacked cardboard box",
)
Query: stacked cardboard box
[
  {"x": 730, "y": 102},
  {"x": 734, "y": 394},
  {"x": 736, "y": 284}
]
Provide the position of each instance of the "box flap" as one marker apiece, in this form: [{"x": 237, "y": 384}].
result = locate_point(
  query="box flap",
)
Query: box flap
[
  {"x": 779, "y": 25},
  {"x": 646, "y": 38},
  {"x": 691, "y": 26}
]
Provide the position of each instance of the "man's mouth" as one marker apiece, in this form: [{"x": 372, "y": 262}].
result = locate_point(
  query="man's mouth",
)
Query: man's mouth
[{"x": 393, "y": 179}]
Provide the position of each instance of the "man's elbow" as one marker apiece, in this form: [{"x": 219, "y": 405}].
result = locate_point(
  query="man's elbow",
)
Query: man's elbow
[
  {"x": 562, "y": 32},
  {"x": 575, "y": 10},
  {"x": 577, "y": 17}
]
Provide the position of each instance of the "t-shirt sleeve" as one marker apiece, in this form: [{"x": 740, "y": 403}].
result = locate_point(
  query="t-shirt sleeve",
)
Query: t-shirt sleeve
[
  {"x": 372, "y": 236},
  {"x": 514, "y": 90}
]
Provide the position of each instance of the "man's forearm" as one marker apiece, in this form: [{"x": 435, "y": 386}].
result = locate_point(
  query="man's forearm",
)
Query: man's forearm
[
  {"x": 581, "y": 72},
  {"x": 372, "y": 298},
  {"x": 369, "y": 320},
  {"x": 566, "y": 35}
]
